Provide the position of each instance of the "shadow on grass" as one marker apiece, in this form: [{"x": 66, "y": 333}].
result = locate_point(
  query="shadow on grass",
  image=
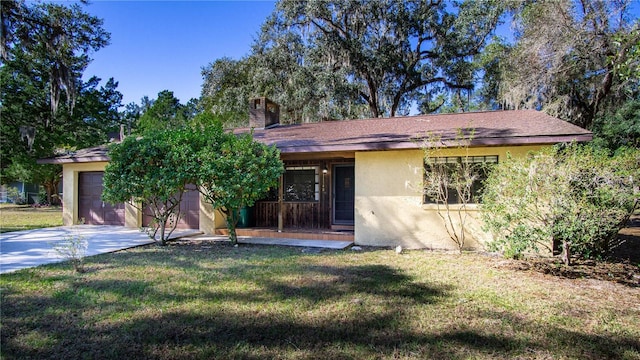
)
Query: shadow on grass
[
  {"x": 300, "y": 310},
  {"x": 324, "y": 283}
]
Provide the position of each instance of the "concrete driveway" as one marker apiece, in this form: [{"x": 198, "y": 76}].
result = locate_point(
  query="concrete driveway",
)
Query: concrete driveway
[{"x": 23, "y": 249}]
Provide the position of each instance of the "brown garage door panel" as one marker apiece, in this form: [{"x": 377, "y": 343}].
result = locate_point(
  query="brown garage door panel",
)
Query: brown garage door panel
[
  {"x": 189, "y": 209},
  {"x": 91, "y": 208}
]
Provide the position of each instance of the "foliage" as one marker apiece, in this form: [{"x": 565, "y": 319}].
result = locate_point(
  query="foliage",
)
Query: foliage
[
  {"x": 326, "y": 60},
  {"x": 25, "y": 109},
  {"x": 227, "y": 88},
  {"x": 45, "y": 104},
  {"x": 229, "y": 170},
  {"x": 151, "y": 171},
  {"x": 58, "y": 35},
  {"x": 451, "y": 185},
  {"x": 573, "y": 59},
  {"x": 619, "y": 129},
  {"x": 576, "y": 197},
  {"x": 73, "y": 249},
  {"x": 14, "y": 196},
  {"x": 234, "y": 171},
  {"x": 165, "y": 112}
]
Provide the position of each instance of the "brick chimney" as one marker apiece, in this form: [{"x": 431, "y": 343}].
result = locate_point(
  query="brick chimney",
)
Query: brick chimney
[{"x": 263, "y": 113}]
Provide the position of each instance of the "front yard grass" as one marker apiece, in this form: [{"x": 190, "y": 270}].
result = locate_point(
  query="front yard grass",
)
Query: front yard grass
[
  {"x": 207, "y": 300},
  {"x": 24, "y": 217}
]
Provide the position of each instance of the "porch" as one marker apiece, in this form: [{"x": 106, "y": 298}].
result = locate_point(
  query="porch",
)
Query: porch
[{"x": 314, "y": 200}]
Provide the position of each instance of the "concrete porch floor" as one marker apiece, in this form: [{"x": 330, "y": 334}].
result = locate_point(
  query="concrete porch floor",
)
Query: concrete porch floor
[{"x": 299, "y": 234}]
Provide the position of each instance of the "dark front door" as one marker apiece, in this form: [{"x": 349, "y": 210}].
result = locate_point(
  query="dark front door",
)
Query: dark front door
[{"x": 343, "y": 194}]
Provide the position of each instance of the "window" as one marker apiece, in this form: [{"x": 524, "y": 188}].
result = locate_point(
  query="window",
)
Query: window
[
  {"x": 446, "y": 170},
  {"x": 301, "y": 184}
]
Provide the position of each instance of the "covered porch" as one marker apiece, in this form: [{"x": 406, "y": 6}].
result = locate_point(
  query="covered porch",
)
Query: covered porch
[{"x": 314, "y": 201}]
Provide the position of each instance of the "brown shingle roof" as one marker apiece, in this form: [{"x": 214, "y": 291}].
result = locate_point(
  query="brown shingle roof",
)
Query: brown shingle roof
[{"x": 514, "y": 127}]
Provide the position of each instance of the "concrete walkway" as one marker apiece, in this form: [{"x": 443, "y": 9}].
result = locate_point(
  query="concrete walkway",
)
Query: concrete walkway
[
  {"x": 23, "y": 249},
  {"x": 29, "y": 248},
  {"x": 325, "y": 244}
]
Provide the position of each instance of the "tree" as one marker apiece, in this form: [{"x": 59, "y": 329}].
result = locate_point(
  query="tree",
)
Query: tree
[
  {"x": 227, "y": 88},
  {"x": 332, "y": 60},
  {"x": 58, "y": 35},
  {"x": 151, "y": 172},
  {"x": 234, "y": 171},
  {"x": 619, "y": 129},
  {"x": 573, "y": 59},
  {"x": 45, "y": 48},
  {"x": 575, "y": 198},
  {"x": 165, "y": 112},
  {"x": 30, "y": 131},
  {"x": 452, "y": 183}
]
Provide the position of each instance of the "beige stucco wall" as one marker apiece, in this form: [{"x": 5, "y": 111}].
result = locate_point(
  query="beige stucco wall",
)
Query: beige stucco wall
[
  {"x": 388, "y": 200},
  {"x": 210, "y": 218}
]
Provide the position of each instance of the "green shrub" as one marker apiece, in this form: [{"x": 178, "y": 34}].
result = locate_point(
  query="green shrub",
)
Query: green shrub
[
  {"x": 575, "y": 198},
  {"x": 73, "y": 249}
]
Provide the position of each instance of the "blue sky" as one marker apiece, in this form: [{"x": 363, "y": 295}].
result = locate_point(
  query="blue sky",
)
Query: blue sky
[{"x": 158, "y": 45}]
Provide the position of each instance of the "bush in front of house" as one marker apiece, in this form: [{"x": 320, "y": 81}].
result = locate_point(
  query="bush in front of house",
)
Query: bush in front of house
[{"x": 572, "y": 199}]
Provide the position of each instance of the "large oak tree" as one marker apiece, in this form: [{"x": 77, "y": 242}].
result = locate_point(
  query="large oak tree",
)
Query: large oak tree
[
  {"x": 326, "y": 59},
  {"x": 573, "y": 59},
  {"x": 45, "y": 48}
]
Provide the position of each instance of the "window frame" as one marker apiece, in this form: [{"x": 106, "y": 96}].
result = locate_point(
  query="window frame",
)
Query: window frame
[
  {"x": 316, "y": 184},
  {"x": 477, "y": 185}
]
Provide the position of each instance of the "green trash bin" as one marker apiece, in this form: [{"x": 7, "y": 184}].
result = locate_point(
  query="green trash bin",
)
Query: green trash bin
[{"x": 246, "y": 217}]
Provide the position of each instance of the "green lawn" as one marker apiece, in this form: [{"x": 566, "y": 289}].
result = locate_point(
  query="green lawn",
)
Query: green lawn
[
  {"x": 25, "y": 217},
  {"x": 215, "y": 301}
]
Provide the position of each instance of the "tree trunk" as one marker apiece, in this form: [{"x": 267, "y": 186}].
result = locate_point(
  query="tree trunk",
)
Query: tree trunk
[
  {"x": 163, "y": 225},
  {"x": 51, "y": 187},
  {"x": 566, "y": 253},
  {"x": 232, "y": 222}
]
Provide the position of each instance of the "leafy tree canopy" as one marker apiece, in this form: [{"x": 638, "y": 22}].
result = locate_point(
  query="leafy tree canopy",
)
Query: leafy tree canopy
[
  {"x": 60, "y": 36},
  {"x": 336, "y": 59},
  {"x": 165, "y": 112},
  {"x": 151, "y": 170},
  {"x": 576, "y": 198},
  {"x": 230, "y": 171},
  {"x": 236, "y": 171},
  {"x": 45, "y": 48},
  {"x": 573, "y": 59}
]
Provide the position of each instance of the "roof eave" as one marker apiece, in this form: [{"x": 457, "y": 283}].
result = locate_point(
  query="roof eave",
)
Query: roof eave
[
  {"x": 86, "y": 159},
  {"x": 406, "y": 145}
]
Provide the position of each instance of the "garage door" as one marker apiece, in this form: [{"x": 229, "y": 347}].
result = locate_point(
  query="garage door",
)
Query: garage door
[
  {"x": 91, "y": 208},
  {"x": 189, "y": 209}
]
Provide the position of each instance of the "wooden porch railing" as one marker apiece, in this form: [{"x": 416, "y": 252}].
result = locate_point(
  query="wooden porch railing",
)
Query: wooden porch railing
[{"x": 298, "y": 215}]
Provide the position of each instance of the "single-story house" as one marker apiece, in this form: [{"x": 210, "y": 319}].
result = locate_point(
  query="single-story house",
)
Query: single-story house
[
  {"x": 359, "y": 177},
  {"x": 19, "y": 192}
]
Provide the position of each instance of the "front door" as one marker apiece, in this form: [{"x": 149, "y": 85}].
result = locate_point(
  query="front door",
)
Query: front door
[{"x": 343, "y": 194}]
